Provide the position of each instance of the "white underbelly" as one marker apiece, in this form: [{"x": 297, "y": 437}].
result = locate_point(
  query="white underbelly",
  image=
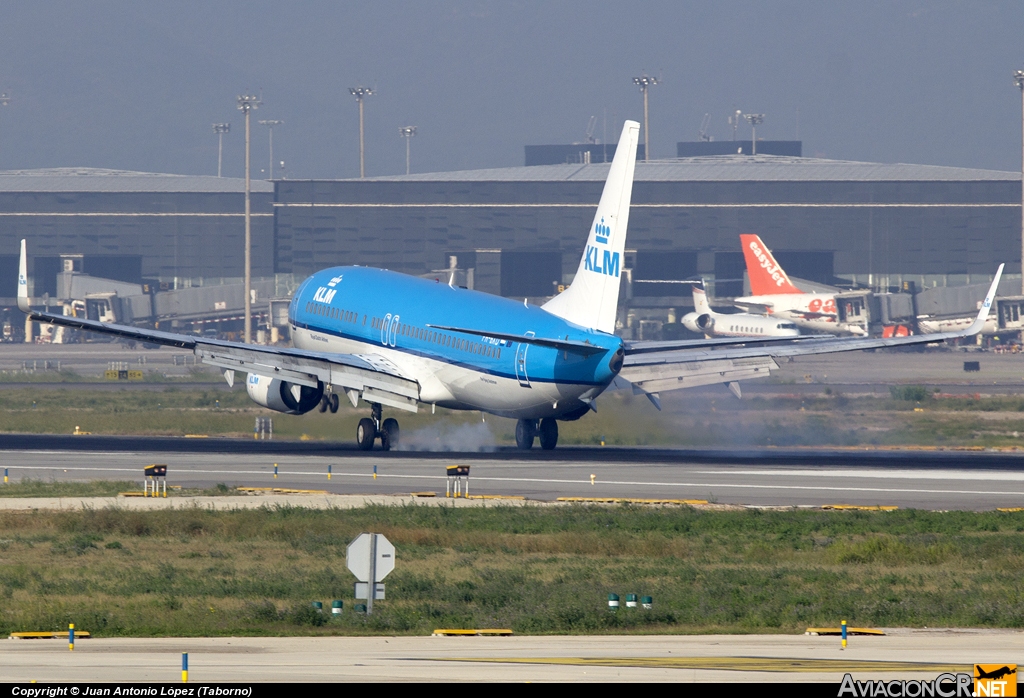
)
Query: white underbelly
[{"x": 457, "y": 387}]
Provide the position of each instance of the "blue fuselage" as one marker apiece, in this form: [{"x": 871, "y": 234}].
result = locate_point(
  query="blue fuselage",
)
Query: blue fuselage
[{"x": 372, "y": 311}]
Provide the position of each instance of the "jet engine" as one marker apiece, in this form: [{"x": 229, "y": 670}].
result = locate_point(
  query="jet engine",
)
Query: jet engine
[
  {"x": 698, "y": 322},
  {"x": 283, "y": 396}
]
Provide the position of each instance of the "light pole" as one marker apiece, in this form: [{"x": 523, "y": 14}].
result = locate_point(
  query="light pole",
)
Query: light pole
[
  {"x": 734, "y": 121},
  {"x": 270, "y": 124},
  {"x": 1018, "y": 79},
  {"x": 360, "y": 93},
  {"x": 644, "y": 83},
  {"x": 753, "y": 120},
  {"x": 220, "y": 130},
  {"x": 5, "y": 99},
  {"x": 407, "y": 132},
  {"x": 246, "y": 103}
]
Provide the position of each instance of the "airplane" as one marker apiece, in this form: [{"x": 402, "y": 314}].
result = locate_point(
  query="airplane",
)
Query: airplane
[
  {"x": 402, "y": 342},
  {"x": 712, "y": 324},
  {"x": 927, "y": 325},
  {"x": 996, "y": 674},
  {"x": 772, "y": 293}
]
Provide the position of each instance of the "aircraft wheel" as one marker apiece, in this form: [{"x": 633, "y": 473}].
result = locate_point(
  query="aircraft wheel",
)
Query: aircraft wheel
[
  {"x": 366, "y": 432},
  {"x": 524, "y": 434},
  {"x": 334, "y": 403},
  {"x": 390, "y": 429},
  {"x": 323, "y": 405},
  {"x": 548, "y": 434}
]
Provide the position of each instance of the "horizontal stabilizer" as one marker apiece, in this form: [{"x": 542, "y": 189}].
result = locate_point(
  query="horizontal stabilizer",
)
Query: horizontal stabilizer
[{"x": 584, "y": 348}]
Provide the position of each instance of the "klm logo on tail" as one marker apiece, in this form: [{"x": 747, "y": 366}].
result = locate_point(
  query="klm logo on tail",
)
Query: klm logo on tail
[{"x": 607, "y": 264}]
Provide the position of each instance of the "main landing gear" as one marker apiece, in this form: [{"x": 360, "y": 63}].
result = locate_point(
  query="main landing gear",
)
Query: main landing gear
[
  {"x": 369, "y": 428},
  {"x": 528, "y": 429}
]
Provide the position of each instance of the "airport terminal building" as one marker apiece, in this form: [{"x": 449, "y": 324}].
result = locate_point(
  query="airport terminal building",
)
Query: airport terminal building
[
  {"x": 130, "y": 226},
  {"x": 522, "y": 229},
  {"x": 519, "y": 231}
]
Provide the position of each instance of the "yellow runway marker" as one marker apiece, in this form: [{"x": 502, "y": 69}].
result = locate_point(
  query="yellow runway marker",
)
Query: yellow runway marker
[
  {"x": 775, "y": 664},
  {"x": 630, "y": 500}
]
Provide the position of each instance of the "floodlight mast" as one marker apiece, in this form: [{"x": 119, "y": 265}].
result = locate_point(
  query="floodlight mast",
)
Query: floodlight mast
[
  {"x": 246, "y": 103},
  {"x": 360, "y": 93},
  {"x": 407, "y": 132},
  {"x": 220, "y": 130},
  {"x": 644, "y": 83},
  {"x": 270, "y": 124},
  {"x": 753, "y": 120},
  {"x": 4, "y": 98},
  {"x": 1018, "y": 79}
]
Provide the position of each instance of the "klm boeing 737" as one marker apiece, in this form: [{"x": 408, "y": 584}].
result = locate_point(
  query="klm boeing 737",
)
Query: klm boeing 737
[{"x": 401, "y": 342}]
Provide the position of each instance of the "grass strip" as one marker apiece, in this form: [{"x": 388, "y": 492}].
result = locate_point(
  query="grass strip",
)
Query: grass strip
[
  {"x": 196, "y": 572},
  {"x": 100, "y": 488}
]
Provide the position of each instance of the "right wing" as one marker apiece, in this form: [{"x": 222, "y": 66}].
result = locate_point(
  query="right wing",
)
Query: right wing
[
  {"x": 653, "y": 372},
  {"x": 369, "y": 376}
]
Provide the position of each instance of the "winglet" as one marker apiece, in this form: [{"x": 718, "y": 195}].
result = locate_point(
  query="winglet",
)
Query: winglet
[
  {"x": 23, "y": 280},
  {"x": 986, "y": 306}
]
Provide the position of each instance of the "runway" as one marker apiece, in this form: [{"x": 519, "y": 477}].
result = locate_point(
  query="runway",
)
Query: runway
[
  {"x": 770, "y": 477},
  {"x": 705, "y": 658}
]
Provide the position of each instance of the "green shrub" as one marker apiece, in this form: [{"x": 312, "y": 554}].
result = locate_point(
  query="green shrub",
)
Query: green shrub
[{"x": 910, "y": 393}]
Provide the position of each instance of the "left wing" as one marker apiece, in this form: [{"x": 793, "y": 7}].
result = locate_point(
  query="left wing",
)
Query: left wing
[
  {"x": 656, "y": 371},
  {"x": 368, "y": 376}
]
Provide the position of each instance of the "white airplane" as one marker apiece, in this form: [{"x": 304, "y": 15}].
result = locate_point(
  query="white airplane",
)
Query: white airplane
[
  {"x": 772, "y": 293},
  {"x": 712, "y": 324},
  {"x": 933, "y": 325},
  {"x": 403, "y": 342}
]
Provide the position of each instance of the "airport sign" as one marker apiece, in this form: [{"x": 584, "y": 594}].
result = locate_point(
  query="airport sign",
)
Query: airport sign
[{"x": 359, "y": 561}]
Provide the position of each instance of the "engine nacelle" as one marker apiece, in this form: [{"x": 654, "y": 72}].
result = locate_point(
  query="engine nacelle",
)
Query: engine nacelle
[
  {"x": 698, "y": 322},
  {"x": 282, "y": 396}
]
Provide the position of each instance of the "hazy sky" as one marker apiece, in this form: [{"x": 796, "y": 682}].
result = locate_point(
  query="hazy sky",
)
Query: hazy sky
[{"x": 136, "y": 85}]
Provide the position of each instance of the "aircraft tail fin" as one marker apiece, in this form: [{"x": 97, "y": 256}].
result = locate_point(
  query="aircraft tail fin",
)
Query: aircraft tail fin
[
  {"x": 23, "y": 303},
  {"x": 593, "y": 298},
  {"x": 700, "y": 301},
  {"x": 766, "y": 276}
]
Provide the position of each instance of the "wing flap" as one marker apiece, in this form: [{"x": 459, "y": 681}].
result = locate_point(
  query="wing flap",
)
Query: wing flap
[{"x": 656, "y": 378}]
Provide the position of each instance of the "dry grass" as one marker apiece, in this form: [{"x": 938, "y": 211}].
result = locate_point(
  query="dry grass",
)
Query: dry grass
[{"x": 539, "y": 570}]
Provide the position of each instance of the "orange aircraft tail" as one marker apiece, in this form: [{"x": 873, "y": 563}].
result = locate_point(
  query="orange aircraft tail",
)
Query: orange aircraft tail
[{"x": 766, "y": 276}]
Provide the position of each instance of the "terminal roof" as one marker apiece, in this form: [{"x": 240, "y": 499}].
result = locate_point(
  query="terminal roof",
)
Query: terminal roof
[
  {"x": 723, "y": 168},
  {"x": 90, "y": 179}
]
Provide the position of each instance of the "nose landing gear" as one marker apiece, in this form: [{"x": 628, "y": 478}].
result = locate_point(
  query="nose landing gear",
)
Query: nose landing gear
[{"x": 370, "y": 428}]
